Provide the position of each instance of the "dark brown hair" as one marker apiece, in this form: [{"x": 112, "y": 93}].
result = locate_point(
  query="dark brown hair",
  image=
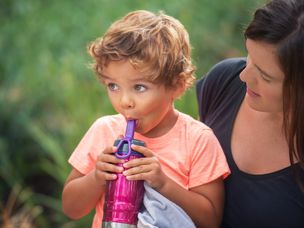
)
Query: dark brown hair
[{"x": 281, "y": 23}]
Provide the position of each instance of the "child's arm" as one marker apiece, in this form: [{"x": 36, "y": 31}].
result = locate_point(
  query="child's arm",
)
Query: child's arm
[
  {"x": 204, "y": 204},
  {"x": 82, "y": 192}
]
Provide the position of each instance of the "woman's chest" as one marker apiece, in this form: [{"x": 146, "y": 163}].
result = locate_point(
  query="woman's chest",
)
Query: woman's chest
[{"x": 258, "y": 147}]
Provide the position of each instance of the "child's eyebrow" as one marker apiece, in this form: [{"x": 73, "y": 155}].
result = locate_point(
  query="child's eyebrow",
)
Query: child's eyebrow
[
  {"x": 105, "y": 76},
  {"x": 145, "y": 79},
  {"x": 134, "y": 80}
]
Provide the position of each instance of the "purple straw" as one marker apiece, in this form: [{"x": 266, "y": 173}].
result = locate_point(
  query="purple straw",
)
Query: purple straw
[
  {"x": 131, "y": 124},
  {"x": 130, "y": 129}
]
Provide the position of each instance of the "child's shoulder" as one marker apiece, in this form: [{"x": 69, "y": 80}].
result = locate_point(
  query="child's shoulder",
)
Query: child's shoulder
[
  {"x": 117, "y": 118},
  {"x": 116, "y": 122},
  {"x": 192, "y": 123},
  {"x": 197, "y": 132}
]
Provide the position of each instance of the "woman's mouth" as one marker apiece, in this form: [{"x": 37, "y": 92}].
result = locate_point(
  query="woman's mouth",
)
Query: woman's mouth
[{"x": 251, "y": 93}]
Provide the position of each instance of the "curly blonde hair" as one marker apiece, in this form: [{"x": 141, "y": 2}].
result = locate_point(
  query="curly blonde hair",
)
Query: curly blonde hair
[{"x": 155, "y": 44}]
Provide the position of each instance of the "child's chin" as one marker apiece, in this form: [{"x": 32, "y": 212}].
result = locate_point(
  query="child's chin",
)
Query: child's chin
[{"x": 140, "y": 130}]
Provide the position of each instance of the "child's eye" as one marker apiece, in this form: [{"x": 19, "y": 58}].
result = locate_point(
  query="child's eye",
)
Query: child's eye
[
  {"x": 112, "y": 86},
  {"x": 140, "y": 88}
]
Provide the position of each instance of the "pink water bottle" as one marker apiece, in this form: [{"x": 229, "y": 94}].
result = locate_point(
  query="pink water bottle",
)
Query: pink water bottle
[{"x": 123, "y": 198}]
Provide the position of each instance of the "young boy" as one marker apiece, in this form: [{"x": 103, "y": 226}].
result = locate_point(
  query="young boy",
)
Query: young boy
[{"x": 144, "y": 62}]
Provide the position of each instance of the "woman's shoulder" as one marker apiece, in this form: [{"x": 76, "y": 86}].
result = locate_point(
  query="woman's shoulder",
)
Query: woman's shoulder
[
  {"x": 221, "y": 87},
  {"x": 223, "y": 72},
  {"x": 230, "y": 63}
]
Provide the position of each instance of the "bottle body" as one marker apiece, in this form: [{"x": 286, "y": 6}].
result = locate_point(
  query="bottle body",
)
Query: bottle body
[{"x": 123, "y": 198}]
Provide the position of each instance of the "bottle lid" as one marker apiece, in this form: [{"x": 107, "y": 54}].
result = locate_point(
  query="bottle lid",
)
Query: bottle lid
[{"x": 124, "y": 148}]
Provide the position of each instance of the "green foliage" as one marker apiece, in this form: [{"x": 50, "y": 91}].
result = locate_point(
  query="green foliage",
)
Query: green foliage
[{"x": 49, "y": 96}]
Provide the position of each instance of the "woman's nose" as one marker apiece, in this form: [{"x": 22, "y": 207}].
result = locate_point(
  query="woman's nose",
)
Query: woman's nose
[
  {"x": 244, "y": 73},
  {"x": 248, "y": 73}
]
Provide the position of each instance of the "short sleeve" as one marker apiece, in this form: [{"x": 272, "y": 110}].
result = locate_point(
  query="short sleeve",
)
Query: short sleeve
[
  {"x": 208, "y": 161},
  {"x": 100, "y": 135},
  {"x": 84, "y": 156}
]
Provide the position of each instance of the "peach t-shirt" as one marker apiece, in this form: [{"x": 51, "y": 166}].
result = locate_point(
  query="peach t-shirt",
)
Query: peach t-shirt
[{"x": 189, "y": 153}]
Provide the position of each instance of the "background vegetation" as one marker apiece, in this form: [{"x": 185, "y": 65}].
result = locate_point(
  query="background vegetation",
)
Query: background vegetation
[{"x": 49, "y": 97}]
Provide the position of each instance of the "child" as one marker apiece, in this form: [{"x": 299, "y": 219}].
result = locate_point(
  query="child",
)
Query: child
[{"x": 144, "y": 62}]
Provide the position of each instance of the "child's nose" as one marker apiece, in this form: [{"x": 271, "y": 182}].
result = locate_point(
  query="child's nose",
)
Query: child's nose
[{"x": 126, "y": 101}]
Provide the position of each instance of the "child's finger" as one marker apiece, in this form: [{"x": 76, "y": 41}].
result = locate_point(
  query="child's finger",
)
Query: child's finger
[
  {"x": 143, "y": 150},
  {"x": 120, "y": 136},
  {"x": 141, "y": 161},
  {"x": 108, "y": 167},
  {"x": 109, "y": 158},
  {"x": 109, "y": 150},
  {"x": 105, "y": 176},
  {"x": 137, "y": 170}
]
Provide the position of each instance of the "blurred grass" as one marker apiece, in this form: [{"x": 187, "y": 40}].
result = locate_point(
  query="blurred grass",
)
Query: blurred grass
[{"x": 49, "y": 97}]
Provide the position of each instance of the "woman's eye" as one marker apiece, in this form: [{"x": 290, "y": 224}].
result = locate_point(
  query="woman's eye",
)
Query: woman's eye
[
  {"x": 140, "y": 88},
  {"x": 112, "y": 87},
  {"x": 265, "y": 78}
]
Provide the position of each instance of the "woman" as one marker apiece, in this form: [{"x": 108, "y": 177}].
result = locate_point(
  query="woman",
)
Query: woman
[{"x": 255, "y": 106}]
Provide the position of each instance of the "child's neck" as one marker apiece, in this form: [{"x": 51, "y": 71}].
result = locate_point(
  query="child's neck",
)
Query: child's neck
[{"x": 166, "y": 124}]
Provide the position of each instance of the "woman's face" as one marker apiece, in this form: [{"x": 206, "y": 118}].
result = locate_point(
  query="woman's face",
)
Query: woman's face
[{"x": 263, "y": 78}]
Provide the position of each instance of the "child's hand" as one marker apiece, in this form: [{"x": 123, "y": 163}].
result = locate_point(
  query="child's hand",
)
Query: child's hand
[
  {"x": 147, "y": 168},
  {"x": 106, "y": 165}
]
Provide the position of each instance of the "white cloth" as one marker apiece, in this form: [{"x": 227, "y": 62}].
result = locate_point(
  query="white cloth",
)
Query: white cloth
[{"x": 159, "y": 212}]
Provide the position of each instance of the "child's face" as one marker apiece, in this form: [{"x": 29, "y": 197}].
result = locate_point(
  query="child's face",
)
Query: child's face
[{"x": 135, "y": 97}]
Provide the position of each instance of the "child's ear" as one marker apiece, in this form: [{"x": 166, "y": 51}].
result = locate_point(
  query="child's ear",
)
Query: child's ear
[{"x": 180, "y": 86}]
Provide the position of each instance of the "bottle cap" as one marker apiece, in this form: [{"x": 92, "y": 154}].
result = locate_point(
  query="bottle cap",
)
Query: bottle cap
[{"x": 123, "y": 150}]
